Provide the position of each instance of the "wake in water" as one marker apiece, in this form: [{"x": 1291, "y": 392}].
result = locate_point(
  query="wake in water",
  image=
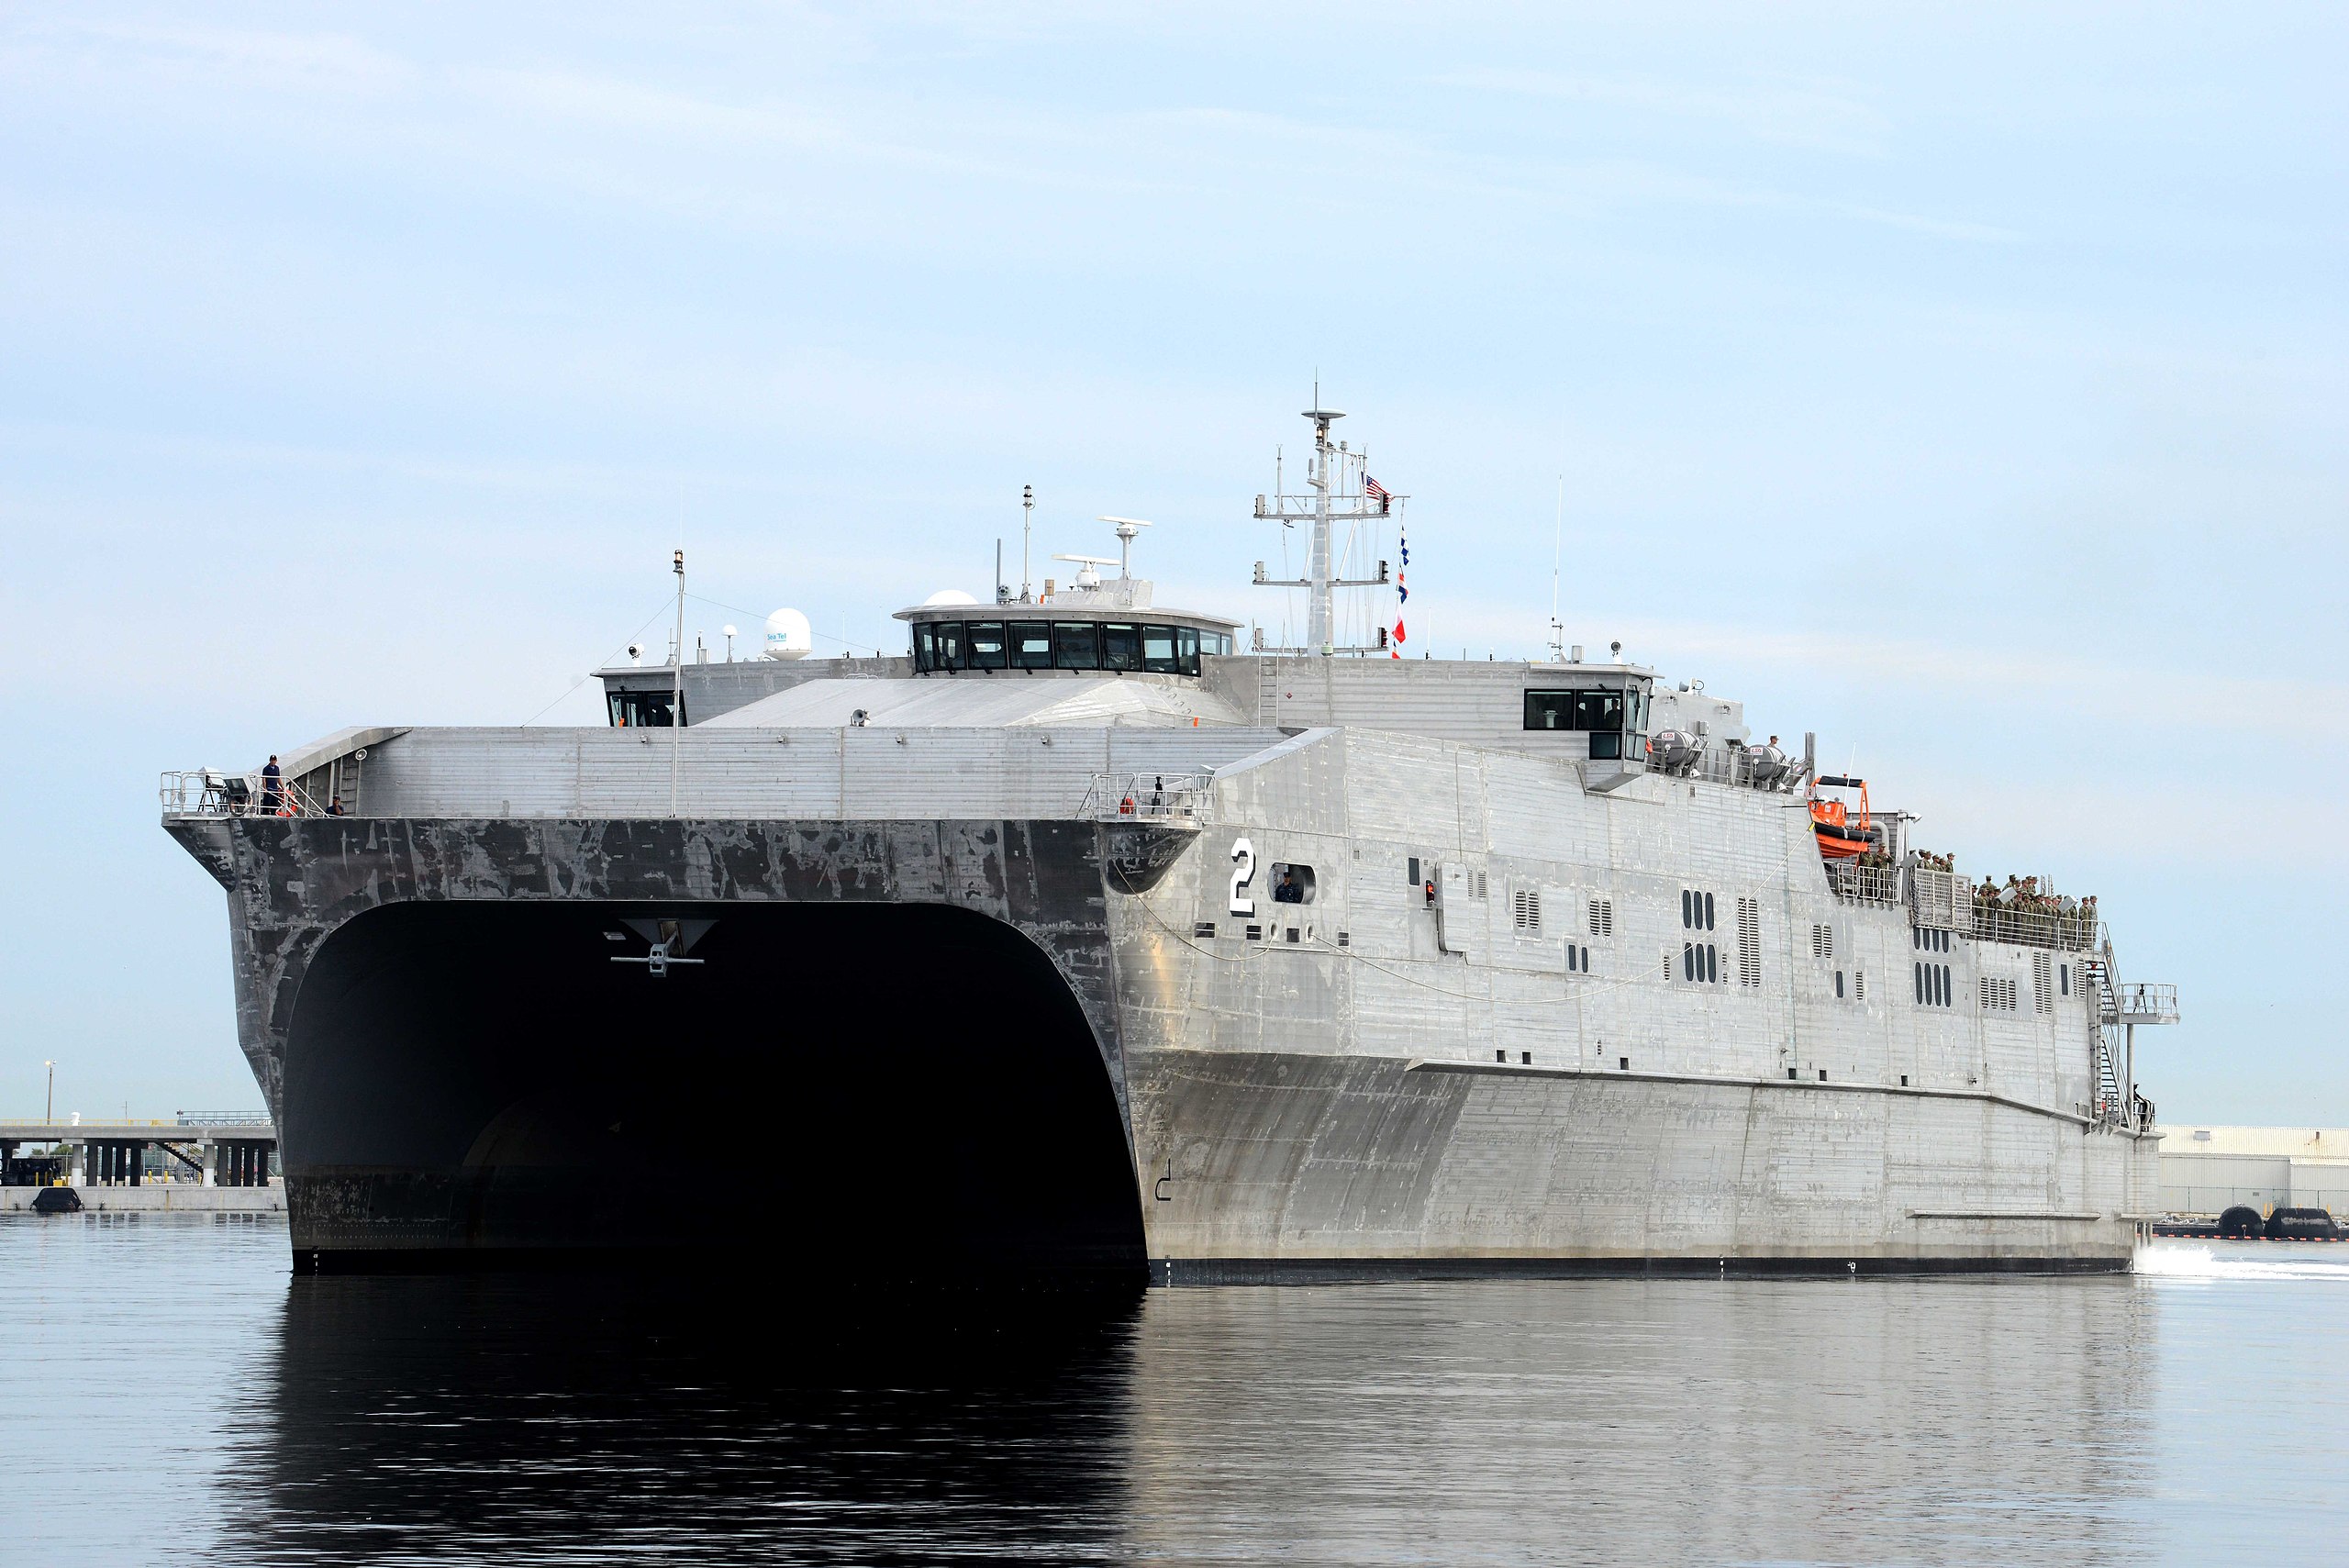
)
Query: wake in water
[{"x": 2247, "y": 1261}]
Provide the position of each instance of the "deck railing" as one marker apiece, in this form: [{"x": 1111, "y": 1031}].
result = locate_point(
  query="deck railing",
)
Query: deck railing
[
  {"x": 2140, "y": 1002},
  {"x": 1942, "y": 899},
  {"x": 2064, "y": 932},
  {"x": 208, "y": 792},
  {"x": 1732, "y": 765},
  {"x": 1857, "y": 883},
  {"x": 1149, "y": 797}
]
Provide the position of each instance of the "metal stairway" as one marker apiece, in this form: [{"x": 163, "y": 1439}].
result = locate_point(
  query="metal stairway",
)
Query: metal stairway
[{"x": 2111, "y": 1101}]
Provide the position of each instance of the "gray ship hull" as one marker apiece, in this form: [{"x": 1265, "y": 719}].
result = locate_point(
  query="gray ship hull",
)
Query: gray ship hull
[
  {"x": 974, "y": 1049},
  {"x": 1310, "y": 1169}
]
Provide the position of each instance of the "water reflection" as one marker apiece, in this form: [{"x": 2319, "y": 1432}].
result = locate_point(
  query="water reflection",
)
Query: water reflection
[
  {"x": 1903, "y": 1421},
  {"x": 543, "y": 1421},
  {"x": 528, "y": 1420}
]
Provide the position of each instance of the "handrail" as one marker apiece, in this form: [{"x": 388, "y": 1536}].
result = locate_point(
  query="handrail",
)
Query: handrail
[
  {"x": 2064, "y": 932},
  {"x": 207, "y": 793},
  {"x": 1151, "y": 797},
  {"x": 1856, "y": 884},
  {"x": 2144, "y": 1002},
  {"x": 1739, "y": 766},
  {"x": 154, "y": 1128}
]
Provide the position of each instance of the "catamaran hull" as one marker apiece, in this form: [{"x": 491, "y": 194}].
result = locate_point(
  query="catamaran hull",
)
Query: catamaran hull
[
  {"x": 1303, "y": 1168},
  {"x": 952, "y": 1050}
]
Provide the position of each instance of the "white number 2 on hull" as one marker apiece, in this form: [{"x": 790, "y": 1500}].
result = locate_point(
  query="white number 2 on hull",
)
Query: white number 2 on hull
[{"x": 1243, "y": 860}]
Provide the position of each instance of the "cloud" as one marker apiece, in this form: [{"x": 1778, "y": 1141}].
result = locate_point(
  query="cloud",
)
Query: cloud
[
  {"x": 310, "y": 64},
  {"x": 1811, "y": 116},
  {"x": 618, "y": 103}
]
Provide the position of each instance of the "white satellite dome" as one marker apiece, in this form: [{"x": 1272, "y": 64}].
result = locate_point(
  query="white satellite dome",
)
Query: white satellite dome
[
  {"x": 789, "y": 636},
  {"x": 946, "y": 596}
]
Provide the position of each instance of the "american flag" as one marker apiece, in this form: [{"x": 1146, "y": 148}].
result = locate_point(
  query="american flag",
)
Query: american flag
[{"x": 1375, "y": 491}]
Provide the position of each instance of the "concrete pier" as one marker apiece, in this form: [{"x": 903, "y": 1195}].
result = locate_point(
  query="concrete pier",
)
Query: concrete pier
[
  {"x": 174, "y": 1197},
  {"x": 113, "y": 1154}
]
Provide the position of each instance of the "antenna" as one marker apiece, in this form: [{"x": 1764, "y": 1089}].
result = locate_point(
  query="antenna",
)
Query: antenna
[
  {"x": 677, "y": 685},
  {"x": 1557, "y": 554},
  {"x": 1127, "y": 529},
  {"x": 1086, "y": 577},
  {"x": 1338, "y": 490},
  {"x": 1027, "y": 522},
  {"x": 1317, "y": 557}
]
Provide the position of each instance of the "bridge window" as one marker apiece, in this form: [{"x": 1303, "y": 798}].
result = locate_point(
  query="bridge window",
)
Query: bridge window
[
  {"x": 1607, "y": 716},
  {"x": 1607, "y": 710},
  {"x": 946, "y": 645},
  {"x": 1120, "y": 647},
  {"x": 634, "y": 709},
  {"x": 1031, "y": 645},
  {"x": 950, "y": 644},
  {"x": 1158, "y": 650}
]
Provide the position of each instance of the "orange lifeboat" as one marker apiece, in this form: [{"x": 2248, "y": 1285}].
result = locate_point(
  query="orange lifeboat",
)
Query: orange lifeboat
[{"x": 1842, "y": 834}]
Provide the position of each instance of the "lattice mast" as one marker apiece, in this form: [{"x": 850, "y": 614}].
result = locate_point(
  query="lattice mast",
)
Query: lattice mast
[{"x": 1336, "y": 490}]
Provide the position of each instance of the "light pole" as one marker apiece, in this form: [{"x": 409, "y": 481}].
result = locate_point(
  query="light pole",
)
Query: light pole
[
  {"x": 49, "y": 1111},
  {"x": 677, "y": 687}
]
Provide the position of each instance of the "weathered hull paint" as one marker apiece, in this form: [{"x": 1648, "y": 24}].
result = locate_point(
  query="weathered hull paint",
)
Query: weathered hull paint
[
  {"x": 1319, "y": 1108},
  {"x": 1307, "y": 1167}
]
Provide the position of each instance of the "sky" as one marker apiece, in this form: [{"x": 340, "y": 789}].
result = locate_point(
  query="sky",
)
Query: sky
[{"x": 1964, "y": 384}]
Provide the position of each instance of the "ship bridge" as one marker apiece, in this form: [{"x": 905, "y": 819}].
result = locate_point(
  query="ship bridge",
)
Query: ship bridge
[{"x": 1059, "y": 635}]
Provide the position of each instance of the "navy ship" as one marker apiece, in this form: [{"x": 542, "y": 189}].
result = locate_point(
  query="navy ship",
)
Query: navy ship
[{"x": 1087, "y": 940}]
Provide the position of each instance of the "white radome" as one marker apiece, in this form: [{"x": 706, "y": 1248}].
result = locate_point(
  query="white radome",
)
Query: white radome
[
  {"x": 789, "y": 636},
  {"x": 948, "y": 596}
]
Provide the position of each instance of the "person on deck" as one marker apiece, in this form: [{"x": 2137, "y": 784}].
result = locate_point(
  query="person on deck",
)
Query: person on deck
[
  {"x": 1287, "y": 890},
  {"x": 273, "y": 786}
]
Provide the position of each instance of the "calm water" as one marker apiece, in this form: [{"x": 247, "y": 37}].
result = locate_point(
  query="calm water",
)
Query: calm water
[{"x": 170, "y": 1390}]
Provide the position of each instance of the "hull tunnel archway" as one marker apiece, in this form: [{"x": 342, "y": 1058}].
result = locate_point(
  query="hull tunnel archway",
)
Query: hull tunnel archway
[{"x": 860, "y": 1090}]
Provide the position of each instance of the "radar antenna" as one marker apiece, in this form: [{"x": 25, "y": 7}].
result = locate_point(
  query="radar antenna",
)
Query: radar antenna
[
  {"x": 1086, "y": 576},
  {"x": 1125, "y": 531}
]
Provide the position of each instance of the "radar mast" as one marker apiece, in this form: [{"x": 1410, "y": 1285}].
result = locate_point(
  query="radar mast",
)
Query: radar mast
[{"x": 1338, "y": 490}]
